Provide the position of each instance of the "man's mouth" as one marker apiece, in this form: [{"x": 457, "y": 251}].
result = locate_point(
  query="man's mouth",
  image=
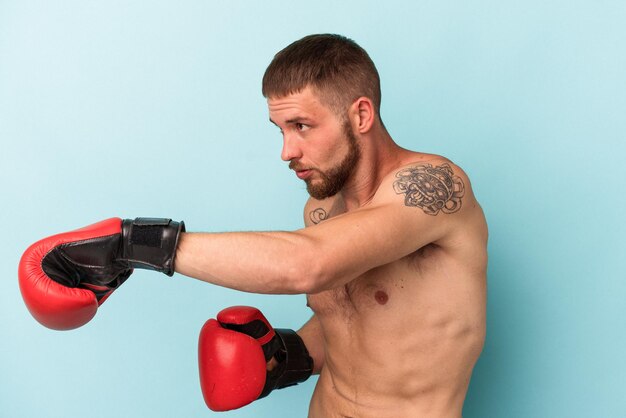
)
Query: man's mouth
[
  {"x": 301, "y": 171},
  {"x": 303, "y": 174}
]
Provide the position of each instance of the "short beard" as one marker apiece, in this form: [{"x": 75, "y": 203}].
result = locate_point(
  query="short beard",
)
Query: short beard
[{"x": 335, "y": 178}]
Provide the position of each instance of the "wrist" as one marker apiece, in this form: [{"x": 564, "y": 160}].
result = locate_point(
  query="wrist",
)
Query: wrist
[
  {"x": 290, "y": 365},
  {"x": 150, "y": 243}
]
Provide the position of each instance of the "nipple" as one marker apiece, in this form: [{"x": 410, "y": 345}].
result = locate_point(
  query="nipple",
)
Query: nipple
[{"x": 381, "y": 297}]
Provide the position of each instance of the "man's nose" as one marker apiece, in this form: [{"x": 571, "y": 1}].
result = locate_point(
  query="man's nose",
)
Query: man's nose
[{"x": 291, "y": 150}]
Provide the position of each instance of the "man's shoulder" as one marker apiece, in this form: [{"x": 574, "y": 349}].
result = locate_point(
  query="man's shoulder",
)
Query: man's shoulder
[
  {"x": 423, "y": 161},
  {"x": 431, "y": 182}
]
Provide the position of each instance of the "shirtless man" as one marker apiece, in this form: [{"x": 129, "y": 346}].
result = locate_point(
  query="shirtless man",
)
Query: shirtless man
[{"x": 392, "y": 259}]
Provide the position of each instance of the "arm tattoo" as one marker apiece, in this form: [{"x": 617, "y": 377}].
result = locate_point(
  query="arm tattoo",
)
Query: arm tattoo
[
  {"x": 317, "y": 215},
  {"x": 432, "y": 189}
]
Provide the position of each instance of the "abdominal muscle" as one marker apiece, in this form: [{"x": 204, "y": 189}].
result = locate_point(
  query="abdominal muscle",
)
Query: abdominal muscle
[{"x": 401, "y": 340}]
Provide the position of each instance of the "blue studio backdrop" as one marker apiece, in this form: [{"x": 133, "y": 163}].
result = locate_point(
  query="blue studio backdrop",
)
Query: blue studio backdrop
[{"x": 117, "y": 108}]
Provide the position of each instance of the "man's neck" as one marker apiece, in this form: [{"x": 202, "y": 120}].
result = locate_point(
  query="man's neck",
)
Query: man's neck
[{"x": 379, "y": 156}]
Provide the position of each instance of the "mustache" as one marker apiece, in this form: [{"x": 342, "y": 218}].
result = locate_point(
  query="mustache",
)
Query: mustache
[{"x": 294, "y": 165}]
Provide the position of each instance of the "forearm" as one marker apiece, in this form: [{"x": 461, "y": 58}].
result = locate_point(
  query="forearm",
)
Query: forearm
[
  {"x": 311, "y": 334},
  {"x": 258, "y": 262}
]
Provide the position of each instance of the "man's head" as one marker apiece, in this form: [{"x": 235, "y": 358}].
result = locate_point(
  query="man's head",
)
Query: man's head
[
  {"x": 320, "y": 146},
  {"x": 310, "y": 87},
  {"x": 337, "y": 69}
]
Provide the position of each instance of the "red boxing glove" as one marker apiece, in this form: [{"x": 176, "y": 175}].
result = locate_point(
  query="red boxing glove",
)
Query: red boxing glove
[
  {"x": 233, "y": 352},
  {"x": 65, "y": 277}
]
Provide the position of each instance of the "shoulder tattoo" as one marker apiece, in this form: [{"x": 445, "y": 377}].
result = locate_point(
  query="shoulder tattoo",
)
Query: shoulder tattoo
[
  {"x": 432, "y": 189},
  {"x": 317, "y": 215}
]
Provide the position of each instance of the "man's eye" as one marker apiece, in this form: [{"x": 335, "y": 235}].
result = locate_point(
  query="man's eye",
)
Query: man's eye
[{"x": 301, "y": 126}]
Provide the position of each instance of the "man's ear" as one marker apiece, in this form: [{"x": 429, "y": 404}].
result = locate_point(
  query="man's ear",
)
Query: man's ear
[{"x": 362, "y": 114}]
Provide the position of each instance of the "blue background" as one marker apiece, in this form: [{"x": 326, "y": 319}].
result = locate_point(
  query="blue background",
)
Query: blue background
[{"x": 117, "y": 108}]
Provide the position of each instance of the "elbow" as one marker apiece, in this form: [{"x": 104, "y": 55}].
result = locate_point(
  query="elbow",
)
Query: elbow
[{"x": 310, "y": 274}]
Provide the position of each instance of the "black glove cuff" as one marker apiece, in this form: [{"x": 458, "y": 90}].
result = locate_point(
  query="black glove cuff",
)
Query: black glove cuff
[
  {"x": 295, "y": 364},
  {"x": 150, "y": 243}
]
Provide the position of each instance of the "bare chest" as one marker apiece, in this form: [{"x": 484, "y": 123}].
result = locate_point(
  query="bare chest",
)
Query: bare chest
[
  {"x": 385, "y": 288},
  {"x": 364, "y": 293}
]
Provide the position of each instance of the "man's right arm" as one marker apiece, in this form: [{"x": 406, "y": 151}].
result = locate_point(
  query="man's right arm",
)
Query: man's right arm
[{"x": 313, "y": 337}]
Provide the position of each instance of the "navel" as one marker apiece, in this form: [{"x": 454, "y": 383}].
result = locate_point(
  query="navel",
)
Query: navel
[{"x": 381, "y": 297}]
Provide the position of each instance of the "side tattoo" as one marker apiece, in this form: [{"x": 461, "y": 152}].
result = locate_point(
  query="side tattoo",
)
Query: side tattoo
[
  {"x": 317, "y": 215},
  {"x": 432, "y": 189}
]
